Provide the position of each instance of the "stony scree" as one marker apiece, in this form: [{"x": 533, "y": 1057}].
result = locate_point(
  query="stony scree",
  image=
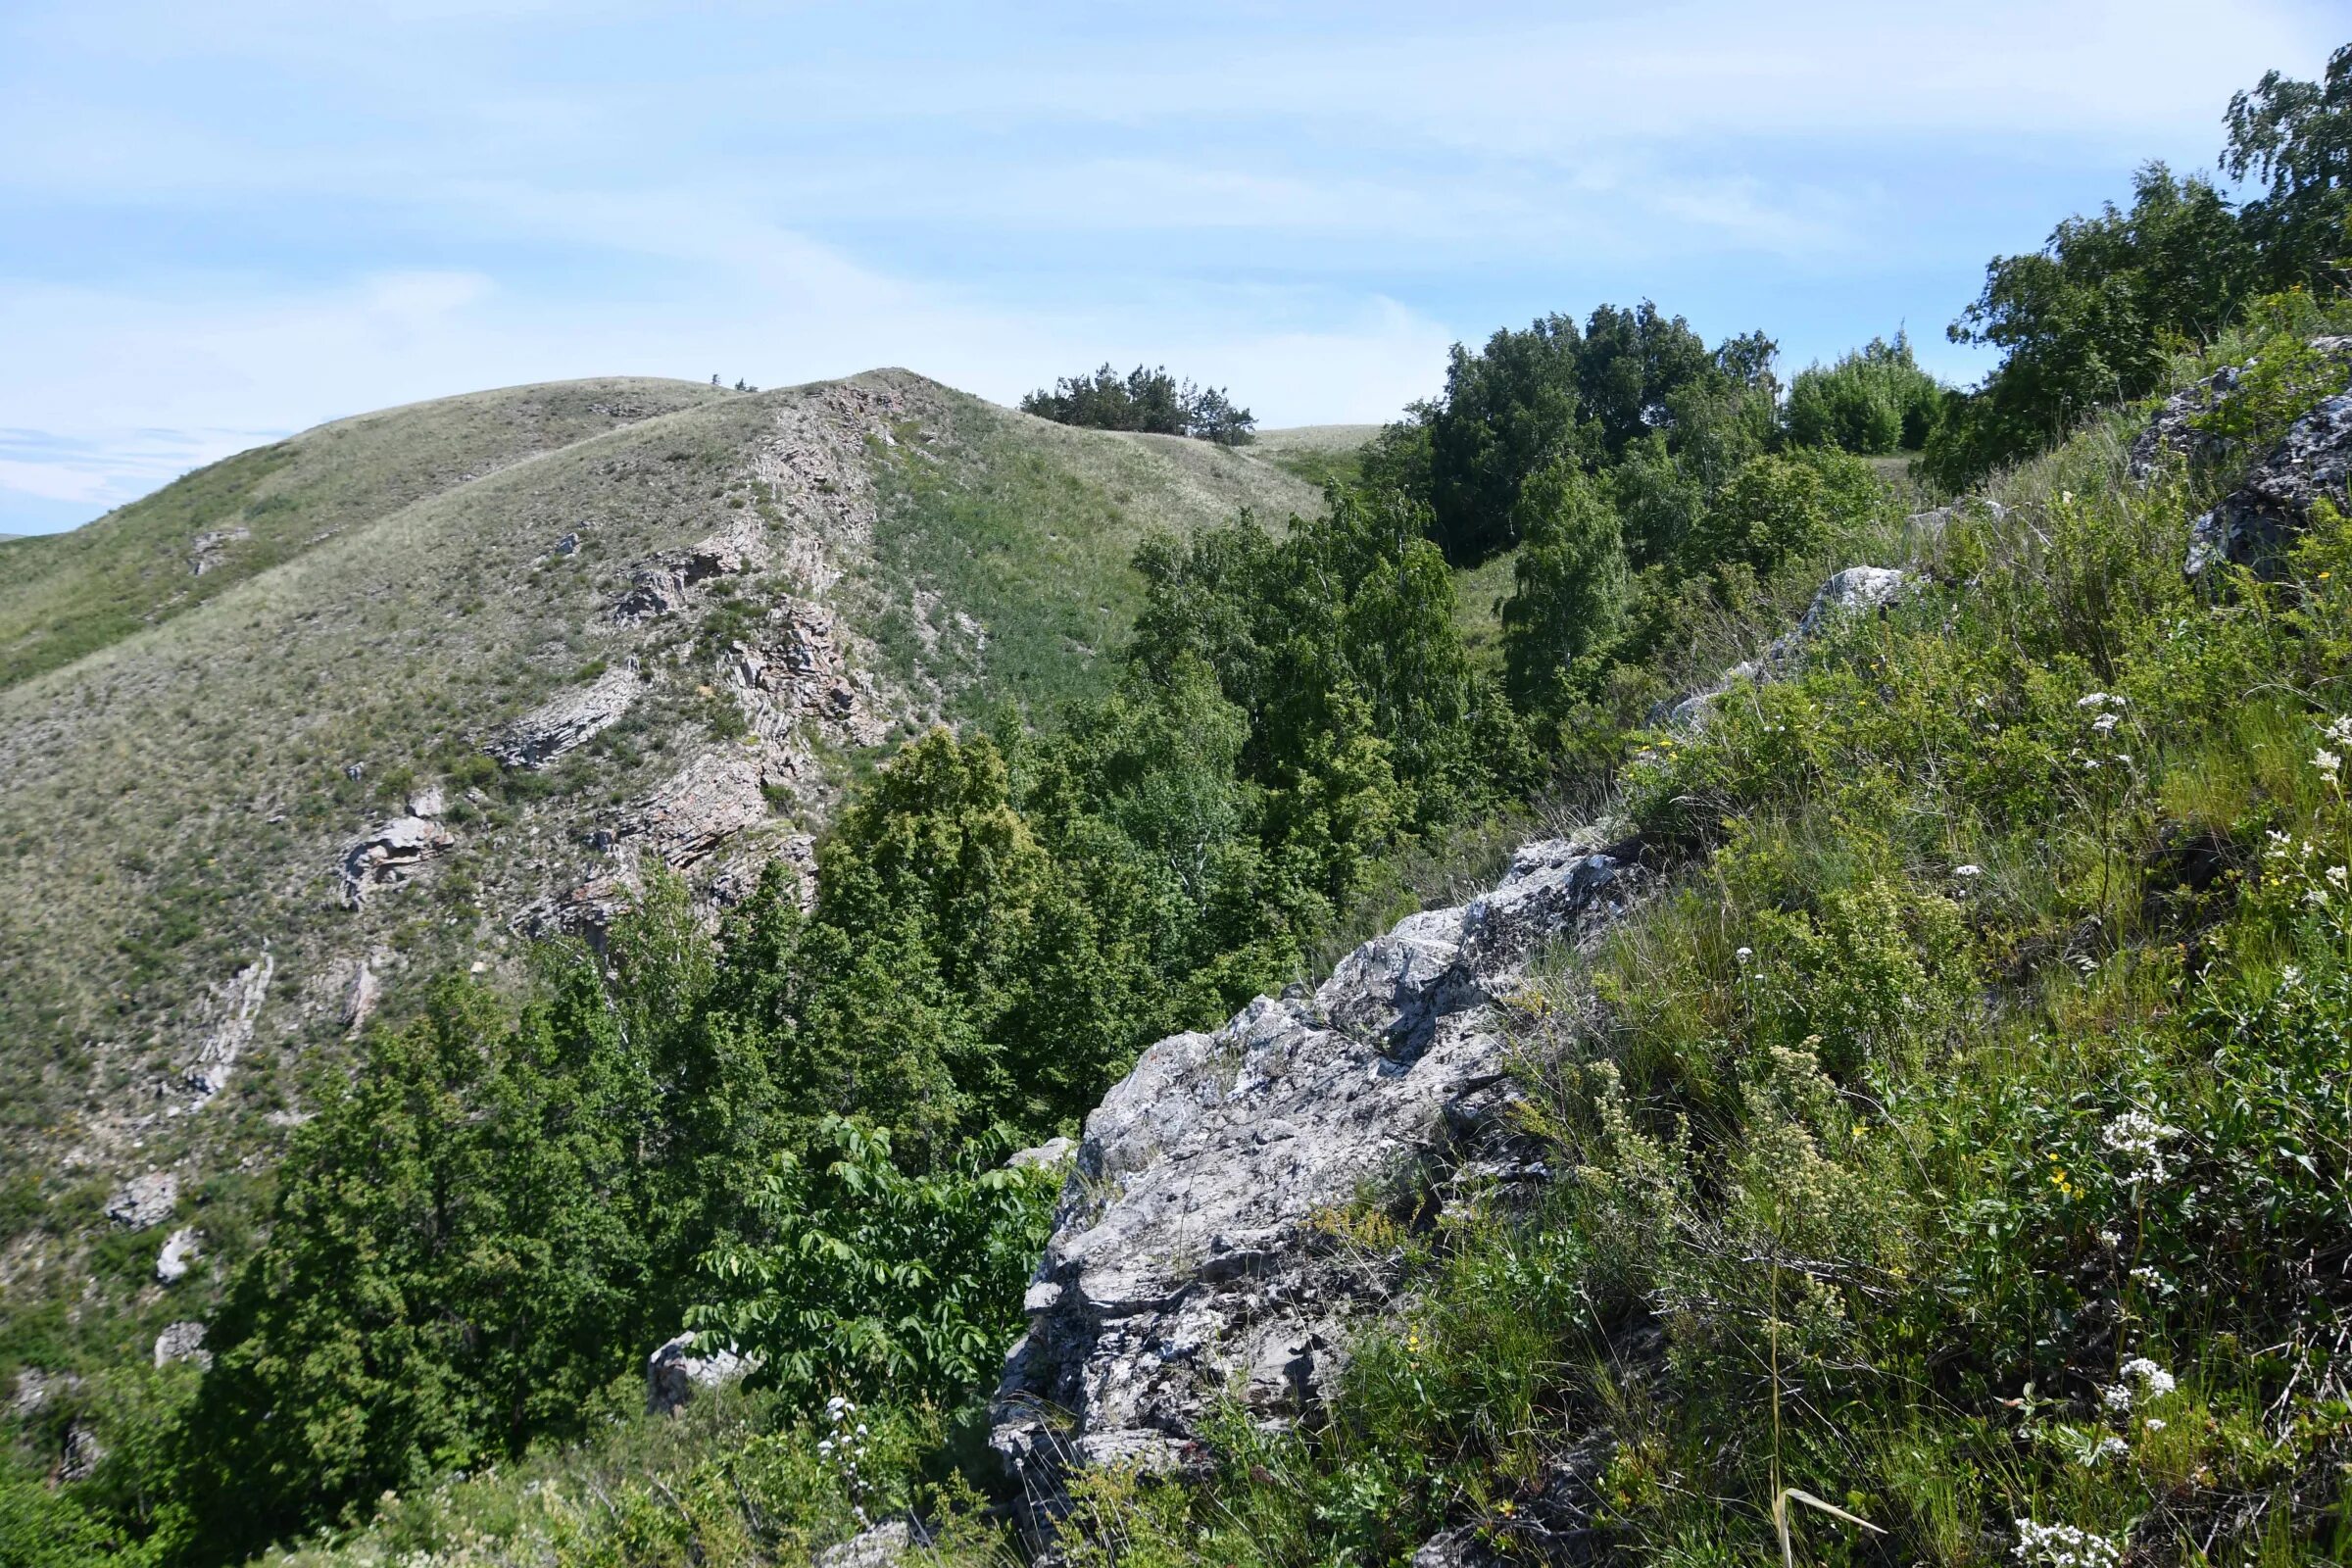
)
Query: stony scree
[
  {"x": 1186, "y": 1255},
  {"x": 880, "y": 1546},
  {"x": 181, "y": 1341}
]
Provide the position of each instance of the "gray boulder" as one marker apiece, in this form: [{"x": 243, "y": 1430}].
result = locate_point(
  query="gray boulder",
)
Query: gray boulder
[
  {"x": 673, "y": 1372},
  {"x": 181, "y": 1341},
  {"x": 1185, "y": 1257},
  {"x": 144, "y": 1202},
  {"x": 180, "y": 1255},
  {"x": 879, "y": 1547},
  {"x": 2274, "y": 500}
]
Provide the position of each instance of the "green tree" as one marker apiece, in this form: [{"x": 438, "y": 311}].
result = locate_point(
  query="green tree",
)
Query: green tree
[
  {"x": 2295, "y": 138},
  {"x": 2091, "y": 318},
  {"x": 1570, "y": 586},
  {"x": 1874, "y": 400}
]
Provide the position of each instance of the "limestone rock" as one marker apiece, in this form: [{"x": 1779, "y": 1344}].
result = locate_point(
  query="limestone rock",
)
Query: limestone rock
[
  {"x": 387, "y": 855},
  {"x": 2173, "y": 431},
  {"x": 181, "y": 1341},
  {"x": 878, "y": 1547},
  {"x": 554, "y": 729},
  {"x": 1185, "y": 1256},
  {"x": 236, "y": 1006},
  {"x": 2275, "y": 497},
  {"x": 1049, "y": 1153},
  {"x": 675, "y": 1371},
  {"x": 144, "y": 1202},
  {"x": 359, "y": 1004},
  {"x": 180, "y": 1255}
]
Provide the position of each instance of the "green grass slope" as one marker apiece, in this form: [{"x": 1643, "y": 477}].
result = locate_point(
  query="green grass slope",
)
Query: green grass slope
[
  {"x": 183, "y": 770},
  {"x": 69, "y": 595}
]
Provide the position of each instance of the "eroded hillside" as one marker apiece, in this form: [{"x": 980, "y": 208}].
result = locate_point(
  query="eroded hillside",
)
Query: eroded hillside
[{"x": 465, "y": 674}]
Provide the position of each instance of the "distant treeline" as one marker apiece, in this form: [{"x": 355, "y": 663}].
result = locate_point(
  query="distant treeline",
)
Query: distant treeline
[{"x": 1145, "y": 400}]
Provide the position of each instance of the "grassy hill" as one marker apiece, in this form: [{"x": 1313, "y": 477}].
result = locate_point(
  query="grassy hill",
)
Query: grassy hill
[{"x": 761, "y": 590}]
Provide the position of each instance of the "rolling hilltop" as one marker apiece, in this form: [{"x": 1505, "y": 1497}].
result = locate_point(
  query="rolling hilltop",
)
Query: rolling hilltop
[{"x": 407, "y": 690}]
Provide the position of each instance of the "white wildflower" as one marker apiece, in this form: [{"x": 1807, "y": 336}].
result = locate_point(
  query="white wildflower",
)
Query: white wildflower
[
  {"x": 1744, "y": 954},
  {"x": 2291, "y": 975},
  {"x": 2149, "y": 1277},
  {"x": 2339, "y": 730},
  {"x": 2040, "y": 1545},
  {"x": 2099, "y": 700},
  {"x": 2116, "y": 1397},
  {"x": 2113, "y": 1241},
  {"x": 2140, "y": 1139},
  {"x": 2326, "y": 762},
  {"x": 2106, "y": 722},
  {"x": 2335, "y": 877},
  {"x": 1968, "y": 872},
  {"x": 2154, "y": 1423},
  {"x": 2109, "y": 1447},
  {"x": 2154, "y": 1378}
]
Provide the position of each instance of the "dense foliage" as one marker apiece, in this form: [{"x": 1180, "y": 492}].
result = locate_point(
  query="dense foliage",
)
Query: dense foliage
[
  {"x": 1874, "y": 400},
  {"x": 2094, "y": 316},
  {"x": 1145, "y": 400}
]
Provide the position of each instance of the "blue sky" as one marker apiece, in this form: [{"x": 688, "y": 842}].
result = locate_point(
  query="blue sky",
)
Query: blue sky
[{"x": 223, "y": 222}]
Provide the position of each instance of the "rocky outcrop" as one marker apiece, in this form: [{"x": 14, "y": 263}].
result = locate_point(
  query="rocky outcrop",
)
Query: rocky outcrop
[
  {"x": 1186, "y": 1258},
  {"x": 388, "y": 855},
  {"x": 2172, "y": 431},
  {"x": 696, "y": 809},
  {"x": 210, "y": 548},
  {"x": 662, "y": 585},
  {"x": 180, "y": 1255},
  {"x": 675, "y": 1371},
  {"x": 360, "y": 1001},
  {"x": 1857, "y": 590},
  {"x": 2275, "y": 497},
  {"x": 181, "y": 1341},
  {"x": 547, "y": 731},
  {"x": 144, "y": 1202},
  {"x": 237, "y": 1006}
]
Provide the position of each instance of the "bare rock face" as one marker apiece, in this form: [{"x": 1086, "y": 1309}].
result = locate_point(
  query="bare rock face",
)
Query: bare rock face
[
  {"x": 662, "y": 585},
  {"x": 237, "y": 1006},
  {"x": 1186, "y": 1257},
  {"x": 181, "y": 1341},
  {"x": 387, "y": 855},
  {"x": 2275, "y": 498},
  {"x": 547, "y": 731},
  {"x": 83, "y": 1454},
  {"x": 180, "y": 1255},
  {"x": 208, "y": 549},
  {"x": 673, "y": 1372},
  {"x": 1857, "y": 590},
  {"x": 697, "y": 809},
  {"x": 359, "y": 1002},
  {"x": 144, "y": 1202}
]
